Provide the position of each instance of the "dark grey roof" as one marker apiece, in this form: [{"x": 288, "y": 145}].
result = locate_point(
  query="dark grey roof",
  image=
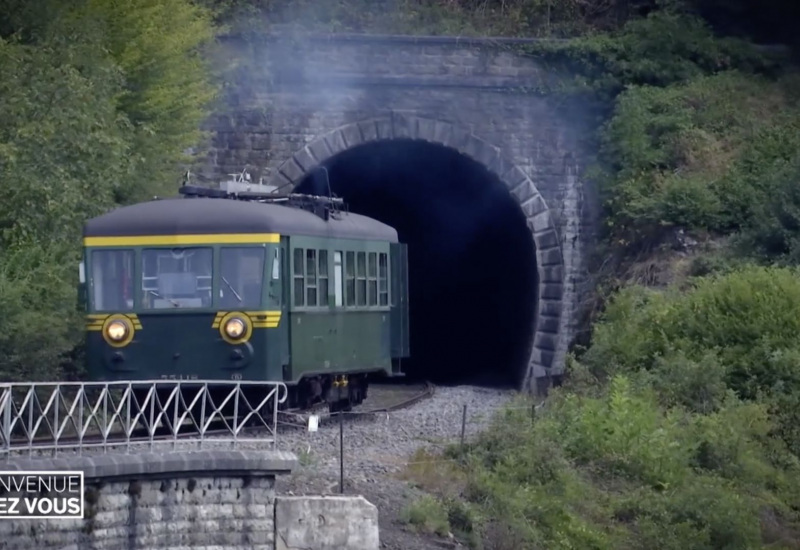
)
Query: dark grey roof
[{"x": 197, "y": 216}]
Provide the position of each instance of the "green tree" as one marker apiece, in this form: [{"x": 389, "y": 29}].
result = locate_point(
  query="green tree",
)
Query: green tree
[{"x": 99, "y": 100}]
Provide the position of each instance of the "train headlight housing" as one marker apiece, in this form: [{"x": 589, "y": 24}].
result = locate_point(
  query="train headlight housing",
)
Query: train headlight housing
[
  {"x": 117, "y": 331},
  {"x": 235, "y": 328}
]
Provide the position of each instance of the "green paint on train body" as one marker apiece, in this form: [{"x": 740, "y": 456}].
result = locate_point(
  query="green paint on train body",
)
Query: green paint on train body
[{"x": 342, "y": 327}]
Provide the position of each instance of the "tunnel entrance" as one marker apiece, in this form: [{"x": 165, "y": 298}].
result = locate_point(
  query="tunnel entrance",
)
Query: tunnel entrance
[{"x": 472, "y": 265}]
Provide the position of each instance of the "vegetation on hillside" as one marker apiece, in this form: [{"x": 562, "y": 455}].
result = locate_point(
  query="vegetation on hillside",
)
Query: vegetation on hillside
[{"x": 678, "y": 425}]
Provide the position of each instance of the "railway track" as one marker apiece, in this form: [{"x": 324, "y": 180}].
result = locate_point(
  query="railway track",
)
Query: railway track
[{"x": 383, "y": 398}]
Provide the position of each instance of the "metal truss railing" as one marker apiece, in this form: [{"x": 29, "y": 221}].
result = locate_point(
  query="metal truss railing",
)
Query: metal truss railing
[{"x": 73, "y": 417}]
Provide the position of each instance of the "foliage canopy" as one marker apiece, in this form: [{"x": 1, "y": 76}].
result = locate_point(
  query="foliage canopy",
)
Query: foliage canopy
[{"x": 100, "y": 101}]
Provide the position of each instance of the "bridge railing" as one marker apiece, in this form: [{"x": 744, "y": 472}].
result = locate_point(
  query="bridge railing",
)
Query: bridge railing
[{"x": 51, "y": 418}]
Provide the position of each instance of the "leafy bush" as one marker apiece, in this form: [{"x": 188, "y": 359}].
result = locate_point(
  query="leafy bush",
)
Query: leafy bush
[
  {"x": 429, "y": 515},
  {"x": 39, "y": 322},
  {"x": 735, "y": 331},
  {"x": 99, "y": 101},
  {"x": 700, "y": 155},
  {"x": 620, "y": 471}
]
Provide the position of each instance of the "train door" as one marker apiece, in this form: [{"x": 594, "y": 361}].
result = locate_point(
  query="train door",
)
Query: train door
[{"x": 399, "y": 304}]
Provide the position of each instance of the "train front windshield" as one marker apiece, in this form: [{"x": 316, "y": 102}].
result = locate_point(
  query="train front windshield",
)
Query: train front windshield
[{"x": 182, "y": 278}]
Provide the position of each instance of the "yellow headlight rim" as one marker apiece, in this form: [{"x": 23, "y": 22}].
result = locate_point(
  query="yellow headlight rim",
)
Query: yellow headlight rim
[
  {"x": 234, "y": 318},
  {"x": 114, "y": 322}
]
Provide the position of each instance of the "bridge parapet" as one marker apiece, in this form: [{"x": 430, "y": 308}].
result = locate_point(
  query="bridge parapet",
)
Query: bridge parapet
[
  {"x": 223, "y": 499},
  {"x": 73, "y": 418}
]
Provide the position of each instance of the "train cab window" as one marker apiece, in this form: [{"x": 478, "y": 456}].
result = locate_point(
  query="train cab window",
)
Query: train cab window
[
  {"x": 177, "y": 278},
  {"x": 337, "y": 279},
  {"x": 112, "y": 280},
  {"x": 372, "y": 279},
  {"x": 323, "y": 278},
  {"x": 350, "y": 277},
  {"x": 241, "y": 276},
  {"x": 361, "y": 279},
  {"x": 383, "y": 280}
]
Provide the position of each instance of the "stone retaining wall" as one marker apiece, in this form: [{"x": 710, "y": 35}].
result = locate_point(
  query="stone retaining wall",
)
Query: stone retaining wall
[{"x": 208, "y": 499}]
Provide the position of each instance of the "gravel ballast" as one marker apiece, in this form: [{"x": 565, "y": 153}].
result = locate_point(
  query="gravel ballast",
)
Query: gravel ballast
[{"x": 378, "y": 447}]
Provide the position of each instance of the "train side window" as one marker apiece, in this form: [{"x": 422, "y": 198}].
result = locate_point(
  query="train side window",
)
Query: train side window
[
  {"x": 299, "y": 275},
  {"x": 323, "y": 277},
  {"x": 372, "y": 279},
  {"x": 383, "y": 280},
  {"x": 311, "y": 277},
  {"x": 276, "y": 265},
  {"x": 337, "y": 278},
  {"x": 350, "y": 273},
  {"x": 361, "y": 279}
]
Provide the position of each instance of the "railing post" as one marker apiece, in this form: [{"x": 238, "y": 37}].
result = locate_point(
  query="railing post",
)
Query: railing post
[
  {"x": 55, "y": 420},
  {"x": 203, "y": 393},
  {"x": 275, "y": 399},
  {"x": 8, "y": 396},
  {"x": 236, "y": 414}
]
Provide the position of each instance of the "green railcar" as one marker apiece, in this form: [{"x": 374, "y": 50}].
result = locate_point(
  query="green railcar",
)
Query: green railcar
[{"x": 276, "y": 288}]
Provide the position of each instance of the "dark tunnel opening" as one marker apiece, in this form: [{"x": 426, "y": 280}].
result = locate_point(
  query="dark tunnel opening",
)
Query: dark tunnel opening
[{"x": 472, "y": 267}]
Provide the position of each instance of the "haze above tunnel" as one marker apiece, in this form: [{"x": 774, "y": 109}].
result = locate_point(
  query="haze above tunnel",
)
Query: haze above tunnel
[{"x": 472, "y": 271}]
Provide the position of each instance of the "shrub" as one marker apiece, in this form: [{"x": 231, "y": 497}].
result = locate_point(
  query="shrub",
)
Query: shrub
[
  {"x": 738, "y": 329},
  {"x": 621, "y": 471},
  {"x": 429, "y": 515},
  {"x": 704, "y": 154}
]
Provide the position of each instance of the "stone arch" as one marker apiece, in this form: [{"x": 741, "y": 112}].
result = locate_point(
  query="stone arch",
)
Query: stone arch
[{"x": 549, "y": 262}]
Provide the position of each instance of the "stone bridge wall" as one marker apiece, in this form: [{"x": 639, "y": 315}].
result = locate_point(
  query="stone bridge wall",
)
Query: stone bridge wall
[{"x": 223, "y": 500}]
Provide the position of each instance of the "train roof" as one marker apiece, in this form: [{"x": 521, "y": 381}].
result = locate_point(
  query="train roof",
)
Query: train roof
[{"x": 200, "y": 216}]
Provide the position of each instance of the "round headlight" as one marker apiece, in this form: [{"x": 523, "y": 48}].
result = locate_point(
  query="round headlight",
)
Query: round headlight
[
  {"x": 235, "y": 328},
  {"x": 117, "y": 331}
]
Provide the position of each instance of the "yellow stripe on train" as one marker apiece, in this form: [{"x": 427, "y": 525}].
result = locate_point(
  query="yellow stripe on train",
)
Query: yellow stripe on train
[
  {"x": 95, "y": 321},
  {"x": 259, "y": 319}
]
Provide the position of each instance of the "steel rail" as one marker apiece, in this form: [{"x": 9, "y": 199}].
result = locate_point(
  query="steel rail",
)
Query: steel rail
[{"x": 428, "y": 391}]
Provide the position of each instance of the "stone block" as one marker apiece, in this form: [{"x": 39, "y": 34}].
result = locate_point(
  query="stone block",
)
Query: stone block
[
  {"x": 549, "y": 325},
  {"x": 384, "y": 128},
  {"x": 336, "y": 142},
  {"x": 551, "y": 291},
  {"x": 404, "y": 126},
  {"x": 352, "y": 135},
  {"x": 524, "y": 191},
  {"x": 325, "y": 523},
  {"x": 305, "y": 159},
  {"x": 320, "y": 149},
  {"x": 369, "y": 131},
  {"x": 551, "y": 274},
  {"x": 442, "y": 133},
  {"x": 546, "y": 239},
  {"x": 426, "y": 129},
  {"x": 550, "y": 256}
]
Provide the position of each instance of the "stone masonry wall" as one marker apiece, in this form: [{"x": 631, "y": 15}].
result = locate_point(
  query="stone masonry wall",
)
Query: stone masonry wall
[
  {"x": 288, "y": 95},
  {"x": 220, "y": 500}
]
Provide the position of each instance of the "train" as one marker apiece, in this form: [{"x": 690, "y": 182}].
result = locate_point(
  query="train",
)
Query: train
[{"x": 244, "y": 283}]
